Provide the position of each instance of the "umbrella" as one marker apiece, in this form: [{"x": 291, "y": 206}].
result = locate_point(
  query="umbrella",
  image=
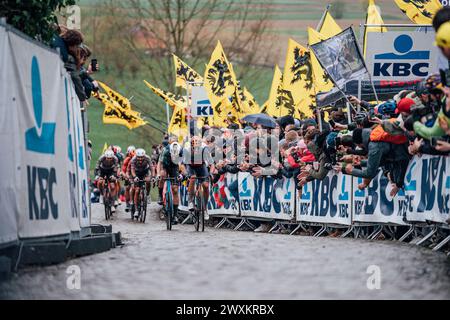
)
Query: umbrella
[{"x": 261, "y": 119}]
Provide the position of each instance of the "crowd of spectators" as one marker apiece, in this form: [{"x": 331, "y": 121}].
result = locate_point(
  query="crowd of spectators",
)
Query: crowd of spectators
[{"x": 377, "y": 136}]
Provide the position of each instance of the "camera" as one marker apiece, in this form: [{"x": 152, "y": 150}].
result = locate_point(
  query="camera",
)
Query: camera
[{"x": 94, "y": 63}]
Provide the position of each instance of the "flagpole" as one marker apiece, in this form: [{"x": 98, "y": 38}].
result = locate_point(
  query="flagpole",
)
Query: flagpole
[
  {"x": 168, "y": 115},
  {"x": 319, "y": 26}
]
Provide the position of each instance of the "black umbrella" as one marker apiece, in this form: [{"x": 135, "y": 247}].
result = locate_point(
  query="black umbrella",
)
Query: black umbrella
[{"x": 261, "y": 119}]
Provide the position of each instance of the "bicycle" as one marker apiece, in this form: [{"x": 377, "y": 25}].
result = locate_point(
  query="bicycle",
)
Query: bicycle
[
  {"x": 108, "y": 201},
  {"x": 142, "y": 201},
  {"x": 199, "y": 204},
  {"x": 168, "y": 202}
]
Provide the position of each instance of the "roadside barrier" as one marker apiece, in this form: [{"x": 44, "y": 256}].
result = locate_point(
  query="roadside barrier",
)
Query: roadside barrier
[
  {"x": 44, "y": 191},
  {"x": 336, "y": 201}
]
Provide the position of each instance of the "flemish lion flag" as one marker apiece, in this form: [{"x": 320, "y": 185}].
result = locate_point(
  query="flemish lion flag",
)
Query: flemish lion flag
[
  {"x": 298, "y": 80},
  {"x": 114, "y": 95},
  {"x": 419, "y": 11},
  {"x": 115, "y": 114},
  {"x": 172, "y": 99},
  {"x": 269, "y": 106},
  {"x": 251, "y": 104},
  {"x": 184, "y": 73},
  {"x": 373, "y": 17},
  {"x": 329, "y": 27},
  {"x": 178, "y": 124},
  {"x": 220, "y": 80}
]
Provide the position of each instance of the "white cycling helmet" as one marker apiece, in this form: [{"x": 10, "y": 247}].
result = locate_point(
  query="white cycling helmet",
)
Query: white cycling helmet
[
  {"x": 131, "y": 149},
  {"x": 109, "y": 154},
  {"x": 175, "y": 148},
  {"x": 140, "y": 153}
]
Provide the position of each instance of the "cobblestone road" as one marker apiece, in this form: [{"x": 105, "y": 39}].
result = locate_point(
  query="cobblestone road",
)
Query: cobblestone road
[{"x": 222, "y": 264}]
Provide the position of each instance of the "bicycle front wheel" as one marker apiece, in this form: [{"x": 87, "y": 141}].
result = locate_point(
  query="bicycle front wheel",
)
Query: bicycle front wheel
[
  {"x": 144, "y": 207},
  {"x": 169, "y": 213}
]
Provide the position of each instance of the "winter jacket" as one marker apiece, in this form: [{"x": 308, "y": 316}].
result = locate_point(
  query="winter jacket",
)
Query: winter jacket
[
  {"x": 74, "y": 72},
  {"x": 388, "y": 131},
  {"x": 435, "y": 131}
]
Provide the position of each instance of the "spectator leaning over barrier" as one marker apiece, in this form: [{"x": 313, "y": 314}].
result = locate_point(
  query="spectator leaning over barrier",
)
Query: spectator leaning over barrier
[
  {"x": 90, "y": 85},
  {"x": 72, "y": 40}
]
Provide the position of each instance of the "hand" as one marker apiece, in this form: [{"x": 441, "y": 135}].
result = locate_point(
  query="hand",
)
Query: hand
[
  {"x": 376, "y": 120},
  {"x": 136, "y": 179},
  {"x": 444, "y": 125},
  {"x": 442, "y": 146},
  {"x": 349, "y": 169},
  {"x": 415, "y": 146},
  {"x": 337, "y": 168},
  {"x": 89, "y": 70},
  {"x": 354, "y": 100},
  {"x": 257, "y": 172},
  {"x": 356, "y": 161},
  {"x": 302, "y": 181},
  {"x": 244, "y": 166},
  {"x": 339, "y": 126},
  {"x": 347, "y": 158}
]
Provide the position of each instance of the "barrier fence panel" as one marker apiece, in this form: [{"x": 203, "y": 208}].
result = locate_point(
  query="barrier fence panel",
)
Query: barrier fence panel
[
  {"x": 222, "y": 202},
  {"x": 327, "y": 201},
  {"x": 9, "y": 157},
  {"x": 266, "y": 197},
  {"x": 79, "y": 191},
  {"x": 47, "y": 173},
  {"x": 427, "y": 186},
  {"x": 375, "y": 205}
]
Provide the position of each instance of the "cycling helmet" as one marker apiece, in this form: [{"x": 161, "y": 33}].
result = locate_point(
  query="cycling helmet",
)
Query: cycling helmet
[
  {"x": 118, "y": 149},
  {"x": 140, "y": 153},
  {"x": 387, "y": 108},
  {"x": 109, "y": 154},
  {"x": 131, "y": 149},
  {"x": 175, "y": 148}
]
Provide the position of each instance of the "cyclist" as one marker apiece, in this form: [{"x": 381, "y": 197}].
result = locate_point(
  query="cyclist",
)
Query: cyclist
[
  {"x": 197, "y": 158},
  {"x": 140, "y": 168},
  {"x": 170, "y": 163},
  {"x": 131, "y": 151},
  {"x": 108, "y": 167}
]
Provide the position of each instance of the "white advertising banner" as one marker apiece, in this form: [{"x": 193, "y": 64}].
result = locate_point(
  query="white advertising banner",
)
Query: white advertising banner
[
  {"x": 266, "y": 197},
  {"x": 10, "y": 155},
  {"x": 401, "y": 55},
  {"x": 427, "y": 186},
  {"x": 201, "y": 106},
  {"x": 326, "y": 201},
  {"x": 78, "y": 191},
  {"x": 375, "y": 205},
  {"x": 221, "y": 200},
  {"x": 38, "y": 95}
]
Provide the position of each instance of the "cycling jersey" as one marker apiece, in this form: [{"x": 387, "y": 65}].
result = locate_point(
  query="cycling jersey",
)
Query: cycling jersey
[
  {"x": 171, "y": 168},
  {"x": 106, "y": 166},
  {"x": 197, "y": 157},
  {"x": 141, "y": 168},
  {"x": 126, "y": 162}
]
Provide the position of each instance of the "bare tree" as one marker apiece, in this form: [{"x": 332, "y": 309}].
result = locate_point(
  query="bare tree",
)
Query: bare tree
[{"x": 151, "y": 30}]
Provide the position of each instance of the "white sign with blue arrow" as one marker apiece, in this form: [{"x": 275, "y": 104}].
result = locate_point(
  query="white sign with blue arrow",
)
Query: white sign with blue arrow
[{"x": 201, "y": 106}]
